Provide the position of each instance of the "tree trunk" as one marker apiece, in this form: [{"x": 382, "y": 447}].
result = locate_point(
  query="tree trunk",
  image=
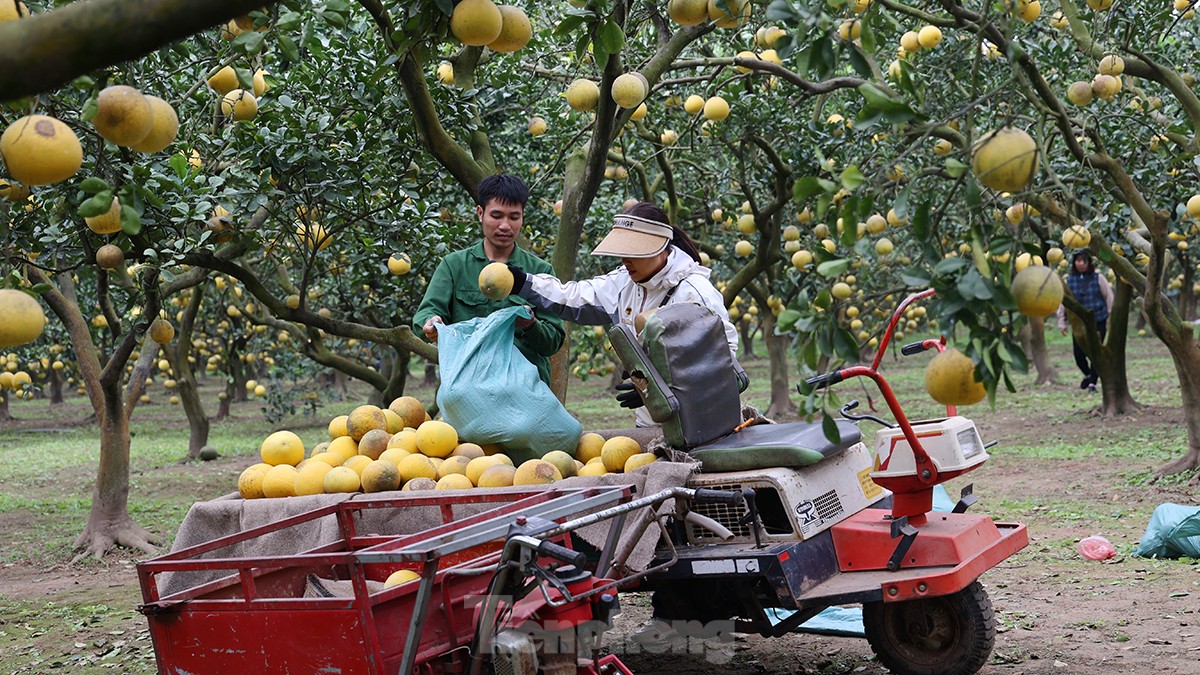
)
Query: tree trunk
[
  {"x": 109, "y": 523},
  {"x": 1186, "y": 355},
  {"x": 560, "y": 368},
  {"x": 5, "y": 415},
  {"x": 226, "y": 403},
  {"x": 398, "y": 377},
  {"x": 431, "y": 376},
  {"x": 1187, "y": 298},
  {"x": 189, "y": 398},
  {"x": 746, "y": 344},
  {"x": 1113, "y": 368},
  {"x": 1033, "y": 341},
  {"x": 777, "y": 353}
]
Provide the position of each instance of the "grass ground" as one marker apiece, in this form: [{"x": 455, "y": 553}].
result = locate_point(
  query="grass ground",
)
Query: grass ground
[{"x": 1064, "y": 472}]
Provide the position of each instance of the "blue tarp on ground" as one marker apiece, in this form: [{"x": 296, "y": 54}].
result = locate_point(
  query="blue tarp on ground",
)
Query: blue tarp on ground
[
  {"x": 1173, "y": 532},
  {"x": 847, "y": 621}
]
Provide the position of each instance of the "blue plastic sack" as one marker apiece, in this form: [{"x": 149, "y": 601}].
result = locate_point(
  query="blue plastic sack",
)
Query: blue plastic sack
[
  {"x": 491, "y": 393},
  {"x": 1173, "y": 532}
]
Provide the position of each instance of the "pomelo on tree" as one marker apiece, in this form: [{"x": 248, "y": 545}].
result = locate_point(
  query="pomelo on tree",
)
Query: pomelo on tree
[
  {"x": 1005, "y": 160},
  {"x": 950, "y": 379},
  {"x": 123, "y": 115},
  {"x": 1038, "y": 291},
  {"x": 21, "y": 318},
  {"x": 476, "y": 22},
  {"x": 40, "y": 150}
]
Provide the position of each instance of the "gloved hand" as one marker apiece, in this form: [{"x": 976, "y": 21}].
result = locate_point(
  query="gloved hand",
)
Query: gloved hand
[
  {"x": 519, "y": 277},
  {"x": 628, "y": 396}
]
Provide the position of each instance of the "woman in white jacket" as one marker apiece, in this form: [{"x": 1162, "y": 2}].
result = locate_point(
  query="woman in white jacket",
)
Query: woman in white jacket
[{"x": 660, "y": 266}]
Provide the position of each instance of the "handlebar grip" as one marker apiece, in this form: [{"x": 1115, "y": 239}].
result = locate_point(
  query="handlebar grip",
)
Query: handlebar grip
[
  {"x": 825, "y": 380},
  {"x": 553, "y": 550},
  {"x": 711, "y": 496},
  {"x": 913, "y": 348}
]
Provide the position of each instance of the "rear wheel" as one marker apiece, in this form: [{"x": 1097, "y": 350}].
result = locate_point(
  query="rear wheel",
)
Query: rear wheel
[{"x": 945, "y": 635}]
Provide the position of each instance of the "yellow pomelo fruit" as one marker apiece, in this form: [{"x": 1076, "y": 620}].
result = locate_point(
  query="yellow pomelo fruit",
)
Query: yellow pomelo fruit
[
  {"x": 495, "y": 281},
  {"x": 337, "y": 427},
  {"x": 394, "y": 455},
  {"x": 716, "y": 108},
  {"x": 468, "y": 450},
  {"x": 617, "y": 450},
  {"x": 21, "y": 318},
  {"x": 250, "y": 482},
  {"x": 110, "y": 257},
  {"x": 395, "y": 422},
  {"x": 344, "y": 447},
  {"x": 310, "y": 478},
  {"x": 729, "y": 13},
  {"x": 108, "y": 222},
  {"x": 380, "y": 476},
  {"x": 318, "y": 449},
  {"x": 409, "y": 409},
  {"x": 504, "y": 458},
  {"x": 1080, "y": 93},
  {"x": 12, "y": 191},
  {"x": 536, "y": 472},
  {"x": 628, "y": 90},
  {"x": 743, "y": 249},
  {"x": 1005, "y": 160},
  {"x": 239, "y": 105},
  {"x": 454, "y": 481},
  {"x": 537, "y": 126},
  {"x": 400, "y": 577},
  {"x": 161, "y": 331},
  {"x": 282, "y": 447},
  {"x": 357, "y": 463},
  {"x": 688, "y": 12},
  {"x": 453, "y": 465},
  {"x": 416, "y": 466},
  {"x": 561, "y": 461},
  {"x": 929, "y": 37},
  {"x": 224, "y": 80},
  {"x": 40, "y": 150},
  {"x": 639, "y": 460},
  {"x": 280, "y": 481},
  {"x": 419, "y": 484},
  {"x": 477, "y": 466},
  {"x": 1054, "y": 255},
  {"x": 405, "y": 439},
  {"x": 163, "y": 129},
  {"x": 515, "y": 30},
  {"x": 694, "y": 104},
  {"x": 363, "y": 419},
  {"x": 436, "y": 439},
  {"x": 500, "y": 475},
  {"x": 592, "y": 469},
  {"x": 950, "y": 379},
  {"x": 342, "y": 479},
  {"x": 373, "y": 443},
  {"x": 583, "y": 95},
  {"x": 841, "y": 290},
  {"x": 330, "y": 458},
  {"x": 11, "y": 11},
  {"x": 476, "y": 22},
  {"x": 399, "y": 265},
  {"x": 1037, "y": 290},
  {"x": 123, "y": 115},
  {"x": 1076, "y": 236},
  {"x": 590, "y": 445}
]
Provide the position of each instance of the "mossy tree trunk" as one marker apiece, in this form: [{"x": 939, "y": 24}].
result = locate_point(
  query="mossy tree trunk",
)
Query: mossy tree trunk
[
  {"x": 185, "y": 376},
  {"x": 1033, "y": 341}
]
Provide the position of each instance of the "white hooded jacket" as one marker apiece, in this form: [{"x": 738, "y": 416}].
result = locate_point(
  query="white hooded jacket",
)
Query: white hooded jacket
[{"x": 616, "y": 298}]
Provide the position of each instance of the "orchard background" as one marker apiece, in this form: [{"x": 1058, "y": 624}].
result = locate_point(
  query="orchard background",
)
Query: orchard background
[{"x": 821, "y": 154}]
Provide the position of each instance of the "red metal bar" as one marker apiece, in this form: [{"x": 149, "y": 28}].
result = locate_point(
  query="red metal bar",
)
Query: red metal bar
[
  {"x": 887, "y": 334},
  {"x": 927, "y": 473}
]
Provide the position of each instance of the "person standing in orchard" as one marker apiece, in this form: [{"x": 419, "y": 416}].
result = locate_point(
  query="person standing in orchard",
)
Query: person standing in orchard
[
  {"x": 659, "y": 266},
  {"x": 453, "y": 293},
  {"x": 1092, "y": 291}
]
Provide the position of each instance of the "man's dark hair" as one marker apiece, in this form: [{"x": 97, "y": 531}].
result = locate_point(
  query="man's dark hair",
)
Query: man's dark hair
[
  {"x": 1085, "y": 257},
  {"x": 679, "y": 240},
  {"x": 504, "y": 188}
]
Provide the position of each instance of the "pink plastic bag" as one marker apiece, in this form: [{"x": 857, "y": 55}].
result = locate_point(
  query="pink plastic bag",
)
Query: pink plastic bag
[{"x": 1096, "y": 547}]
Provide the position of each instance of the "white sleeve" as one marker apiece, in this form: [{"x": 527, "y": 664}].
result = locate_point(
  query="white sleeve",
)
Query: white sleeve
[
  {"x": 701, "y": 291},
  {"x": 589, "y": 302}
]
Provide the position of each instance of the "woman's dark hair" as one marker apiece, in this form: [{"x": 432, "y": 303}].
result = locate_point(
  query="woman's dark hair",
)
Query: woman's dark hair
[
  {"x": 679, "y": 238},
  {"x": 1086, "y": 257},
  {"x": 503, "y": 188}
]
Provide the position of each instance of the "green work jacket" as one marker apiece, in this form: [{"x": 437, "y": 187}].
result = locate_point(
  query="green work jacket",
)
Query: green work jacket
[{"x": 454, "y": 295}]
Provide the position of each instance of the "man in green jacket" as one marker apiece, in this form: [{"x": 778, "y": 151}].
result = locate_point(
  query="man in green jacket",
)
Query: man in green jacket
[{"x": 453, "y": 294}]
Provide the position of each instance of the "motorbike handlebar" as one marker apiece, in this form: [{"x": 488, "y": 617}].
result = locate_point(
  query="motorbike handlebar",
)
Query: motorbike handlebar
[
  {"x": 913, "y": 348},
  {"x": 711, "y": 496},
  {"x": 553, "y": 550},
  {"x": 825, "y": 380}
]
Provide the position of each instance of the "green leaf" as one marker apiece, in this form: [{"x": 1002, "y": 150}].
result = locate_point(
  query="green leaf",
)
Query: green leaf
[
  {"x": 823, "y": 299},
  {"x": 94, "y": 185},
  {"x": 858, "y": 63},
  {"x": 611, "y": 37},
  {"x": 844, "y": 345},
  {"x": 250, "y": 42},
  {"x": 179, "y": 165},
  {"x": 90, "y": 108},
  {"x": 97, "y": 205},
  {"x": 921, "y": 225},
  {"x": 570, "y": 24},
  {"x": 289, "y": 48},
  {"x": 955, "y": 168},
  {"x": 852, "y": 178},
  {"x": 41, "y": 289},
  {"x": 948, "y": 266},
  {"x": 811, "y": 185},
  {"x": 833, "y": 268},
  {"x": 786, "y": 321},
  {"x": 131, "y": 222},
  {"x": 830, "y": 428},
  {"x": 245, "y": 77},
  {"x": 447, "y": 6}
]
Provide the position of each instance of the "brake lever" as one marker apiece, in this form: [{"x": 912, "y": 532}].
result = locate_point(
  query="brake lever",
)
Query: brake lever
[{"x": 845, "y": 412}]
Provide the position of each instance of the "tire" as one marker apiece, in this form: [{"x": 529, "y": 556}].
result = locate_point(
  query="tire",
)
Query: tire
[{"x": 945, "y": 635}]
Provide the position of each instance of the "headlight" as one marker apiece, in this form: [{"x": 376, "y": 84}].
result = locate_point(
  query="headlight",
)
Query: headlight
[{"x": 969, "y": 441}]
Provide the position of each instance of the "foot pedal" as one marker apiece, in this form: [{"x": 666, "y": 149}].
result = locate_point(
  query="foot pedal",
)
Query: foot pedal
[
  {"x": 966, "y": 499},
  {"x": 907, "y": 535}
]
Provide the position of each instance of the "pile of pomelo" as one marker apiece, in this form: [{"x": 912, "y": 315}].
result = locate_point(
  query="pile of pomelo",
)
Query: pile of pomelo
[{"x": 400, "y": 448}]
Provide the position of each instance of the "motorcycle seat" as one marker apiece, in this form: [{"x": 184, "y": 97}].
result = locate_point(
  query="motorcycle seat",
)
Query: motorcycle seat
[{"x": 765, "y": 446}]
